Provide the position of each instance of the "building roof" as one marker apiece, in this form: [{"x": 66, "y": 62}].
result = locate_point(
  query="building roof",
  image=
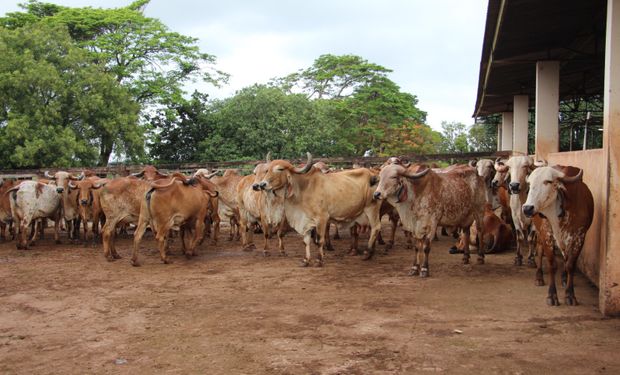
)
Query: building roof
[{"x": 519, "y": 33}]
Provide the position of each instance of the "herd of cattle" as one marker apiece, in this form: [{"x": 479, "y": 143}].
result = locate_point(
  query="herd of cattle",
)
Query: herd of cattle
[{"x": 486, "y": 202}]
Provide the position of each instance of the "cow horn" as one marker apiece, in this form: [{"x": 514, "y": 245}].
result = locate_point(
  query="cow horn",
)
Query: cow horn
[
  {"x": 48, "y": 175},
  {"x": 540, "y": 163},
  {"x": 163, "y": 174},
  {"x": 417, "y": 175},
  {"x": 98, "y": 185},
  {"x": 157, "y": 186},
  {"x": 79, "y": 177},
  {"x": 211, "y": 174},
  {"x": 139, "y": 174},
  {"x": 472, "y": 163},
  {"x": 499, "y": 161},
  {"x": 574, "y": 178},
  {"x": 306, "y": 168},
  {"x": 72, "y": 185},
  {"x": 268, "y": 157}
]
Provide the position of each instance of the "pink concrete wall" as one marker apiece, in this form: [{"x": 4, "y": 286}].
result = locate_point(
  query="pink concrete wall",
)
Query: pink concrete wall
[{"x": 593, "y": 164}]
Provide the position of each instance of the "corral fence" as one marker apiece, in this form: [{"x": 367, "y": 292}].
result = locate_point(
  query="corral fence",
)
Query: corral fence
[{"x": 246, "y": 166}]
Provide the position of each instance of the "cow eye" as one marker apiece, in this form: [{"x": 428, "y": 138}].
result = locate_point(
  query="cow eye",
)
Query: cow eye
[{"x": 547, "y": 182}]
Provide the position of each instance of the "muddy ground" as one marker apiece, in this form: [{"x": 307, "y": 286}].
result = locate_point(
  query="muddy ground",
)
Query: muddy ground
[{"x": 65, "y": 310}]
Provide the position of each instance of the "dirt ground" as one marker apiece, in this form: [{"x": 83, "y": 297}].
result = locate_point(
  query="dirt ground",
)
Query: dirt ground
[{"x": 65, "y": 310}]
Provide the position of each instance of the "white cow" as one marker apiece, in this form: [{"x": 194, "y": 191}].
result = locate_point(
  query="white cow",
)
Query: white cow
[{"x": 30, "y": 201}]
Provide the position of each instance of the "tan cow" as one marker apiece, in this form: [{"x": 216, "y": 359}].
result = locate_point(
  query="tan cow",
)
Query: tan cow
[
  {"x": 226, "y": 186},
  {"x": 517, "y": 168},
  {"x": 259, "y": 207},
  {"x": 559, "y": 197},
  {"x": 312, "y": 199},
  {"x": 6, "y": 217},
  {"x": 68, "y": 200},
  {"x": 425, "y": 199},
  {"x": 170, "y": 206}
]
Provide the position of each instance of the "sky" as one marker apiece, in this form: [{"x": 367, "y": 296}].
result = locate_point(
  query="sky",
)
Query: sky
[{"x": 433, "y": 47}]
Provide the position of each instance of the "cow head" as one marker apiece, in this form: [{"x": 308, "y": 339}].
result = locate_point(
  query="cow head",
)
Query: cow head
[
  {"x": 321, "y": 166},
  {"x": 150, "y": 173},
  {"x": 501, "y": 173},
  {"x": 547, "y": 191},
  {"x": 391, "y": 181},
  {"x": 85, "y": 189},
  {"x": 205, "y": 184},
  {"x": 485, "y": 169},
  {"x": 279, "y": 173},
  {"x": 519, "y": 168},
  {"x": 62, "y": 180},
  {"x": 205, "y": 173}
]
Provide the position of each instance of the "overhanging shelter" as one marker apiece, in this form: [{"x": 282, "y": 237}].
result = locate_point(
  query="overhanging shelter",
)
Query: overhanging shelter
[{"x": 536, "y": 54}]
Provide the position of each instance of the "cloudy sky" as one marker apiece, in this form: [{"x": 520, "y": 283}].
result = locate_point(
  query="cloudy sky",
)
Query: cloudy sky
[{"x": 433, "y": 47}]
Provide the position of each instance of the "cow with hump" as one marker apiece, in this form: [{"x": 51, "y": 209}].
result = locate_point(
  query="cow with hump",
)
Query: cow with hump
[
  {"x": 425, "y": 199},
  {"x": 562, "y": 208},
  {"x": 69, "y": 202},
  {"x": 312, "y": 199}
]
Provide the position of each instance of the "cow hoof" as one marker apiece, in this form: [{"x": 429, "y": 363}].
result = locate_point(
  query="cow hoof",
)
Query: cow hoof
[
  {"x": 518, "y": 262},
  {"x": 414, "y": 271},
  {"x": 283, "y": 254},
  {"x": 570, "y": 301},
  {"x": 318, "y": 263},
  {"x": 329, "y": 247},
  {"x": 553, "y": 301},
  {"x": 187, "y": 256},
  {"x": 381, "y": 242},
  {"x": 167, "y": 261},
  {"x": 531, "y": 263},
  {"x": 480, "y": 261},
  {"x": 409, "y": 247},
  {"x": 424, "y": 272},
  {"x": 266, "y": 253},
  {"x": 539, "y": 282},
  {"x": 336, "y": 236},
  {"x": 134, "y": 263},
  {"x": 367, "y": 255},
  {"x": 248, "y": 249},
  {"x": 304, "y": 263},
  {"x": 389, "y": 246},
  {"x": 465, "y": 260},
  {"x": 454, "y": 250},
  {"x": 353, "y": 252}
]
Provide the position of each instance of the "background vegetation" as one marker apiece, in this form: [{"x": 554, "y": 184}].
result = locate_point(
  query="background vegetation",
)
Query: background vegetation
[{"x": 82, "y": 86}]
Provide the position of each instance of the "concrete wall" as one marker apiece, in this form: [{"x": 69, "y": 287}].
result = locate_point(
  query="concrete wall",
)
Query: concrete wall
[{"x": 594, "y": 174}]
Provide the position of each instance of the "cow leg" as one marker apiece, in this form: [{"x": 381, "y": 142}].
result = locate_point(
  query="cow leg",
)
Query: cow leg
[
  {"x": 465, "y": 236},
  {"x": 3, "y": 231},
  {"x": 57, "y": 230},
  {"x": 552, "y": 295},
  {"x": 137, "y": 238},
  {"x": 393, "y": 225},
  {"x": 198, "y": 234},
  {"x": 246, "y": 235},
  {"x": 162, "y": 239},
  {"x": 479, "y": 240},
  {"x": 216, "y": 228},
  {"x": 280, "y": 236},
  {"x": 409, "y": 236},
  {"x": 183, "y": 235},
  {"x": 569, "y": 268},
  {"x": 380, "y": 240},
  {"x": 375, "y": 229},
  {"x": 266, "y": 232},
  {"x": 328, "y": 241},
  {"x": 35, "y": 230},
  {"x": 539, "y": 281},
  {"x": 107, "y": 236},
  {"x": 424, "y": 270},
  {"x": 520, "y": 239},
  {"x": 321, "y": 229},
  {"x": 354, "y": 240},
  {"x": 415, "y": 268},
  {"x": 307, "y": 241},
  {"x": 531, "y": 243},
  {"x": 21, "y": 232}
]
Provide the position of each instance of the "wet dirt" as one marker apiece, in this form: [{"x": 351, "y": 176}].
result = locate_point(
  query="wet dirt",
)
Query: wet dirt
[{"x": 65, "y": 310}]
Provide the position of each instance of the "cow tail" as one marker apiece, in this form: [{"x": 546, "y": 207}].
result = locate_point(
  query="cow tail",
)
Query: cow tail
[{"x": 148, "y": 199}]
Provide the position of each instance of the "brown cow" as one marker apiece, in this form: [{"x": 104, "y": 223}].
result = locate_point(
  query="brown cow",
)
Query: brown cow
[
  {"x": 69, "y": 201},
  {"x": 150, "y": 173},
  {"x": 312, "y": 199},
  {"x": 172, "y": 205},
  {"x": 496, "y": 234},
  {"x": 425, "y": 199},
  {"x": 6, "y": 217},
  {"x": 559, "y": 197},
  {"x": 89, "y": 205}
]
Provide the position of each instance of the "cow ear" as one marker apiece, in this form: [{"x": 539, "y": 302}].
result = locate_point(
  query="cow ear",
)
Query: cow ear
[
  {"x": 289, "y": 186},
  {"x": 559, "y": 202},
  {"x": 374, "y": 180}
]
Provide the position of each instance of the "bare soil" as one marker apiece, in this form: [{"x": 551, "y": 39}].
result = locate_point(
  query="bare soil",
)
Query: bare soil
[{"x": 65, "y": 310}]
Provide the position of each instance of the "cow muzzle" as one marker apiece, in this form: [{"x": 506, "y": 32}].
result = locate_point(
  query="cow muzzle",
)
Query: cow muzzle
[
  {"x": 528, "y": 210},
  {"x": 59, "y": 190},
  {"x": 262, "y": 185},
  {"x": 256, "y": 187},
  {"x": 377, "y": 195},
  {"x": 83, "y": 202},
  {"x": 515, "y": 187}
]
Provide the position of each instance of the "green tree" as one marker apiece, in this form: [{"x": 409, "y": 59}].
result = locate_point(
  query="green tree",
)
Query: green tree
[
  {"x": 56, "y": 107},
  {"x": 453, "y": 137},
  {"x": 141, "y": 52},
  {"x": 482, "y": 136}
]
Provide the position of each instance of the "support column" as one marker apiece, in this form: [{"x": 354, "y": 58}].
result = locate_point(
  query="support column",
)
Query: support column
[
  {"x": 507, "y": 127},
  {"x": 520, "y": 118},
  {"x": 609, "y": 291},
  {"x": 547, "y": 108}
]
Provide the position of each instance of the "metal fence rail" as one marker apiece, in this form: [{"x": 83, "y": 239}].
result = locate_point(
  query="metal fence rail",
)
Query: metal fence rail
[{"x": 248, "y": 165}]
